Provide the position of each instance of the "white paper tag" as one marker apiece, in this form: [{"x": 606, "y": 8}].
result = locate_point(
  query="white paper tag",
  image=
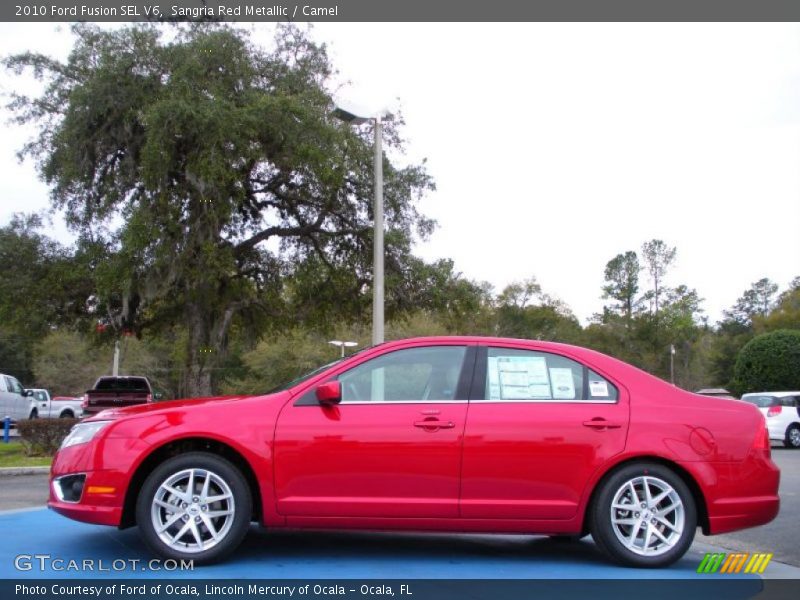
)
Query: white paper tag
[{"x": 598, "y": 388}]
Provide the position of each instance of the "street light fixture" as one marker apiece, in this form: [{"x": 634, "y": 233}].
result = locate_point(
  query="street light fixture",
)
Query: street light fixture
[
  {"x": 343, "y": 345},
  {"x": 354, "y": 117}
]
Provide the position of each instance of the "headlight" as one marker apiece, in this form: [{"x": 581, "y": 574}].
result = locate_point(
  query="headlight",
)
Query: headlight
[{"x": 82, "y": 433}]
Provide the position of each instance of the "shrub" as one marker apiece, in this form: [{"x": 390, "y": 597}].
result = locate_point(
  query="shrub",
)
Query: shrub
[
  {"x": 769, "y": 362},
  {"x": 42, "y": 437}
]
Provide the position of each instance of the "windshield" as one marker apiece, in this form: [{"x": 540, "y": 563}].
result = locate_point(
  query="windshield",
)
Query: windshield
[
  {"x": 761, "y": 401},
  {"x": 303, "y": 378}
]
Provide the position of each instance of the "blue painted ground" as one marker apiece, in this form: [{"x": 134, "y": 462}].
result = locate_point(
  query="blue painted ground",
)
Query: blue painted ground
[{"x": 322, "y": 555}]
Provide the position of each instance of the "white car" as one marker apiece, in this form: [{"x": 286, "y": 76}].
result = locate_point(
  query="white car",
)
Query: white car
[{"x": 782, "y": 410}]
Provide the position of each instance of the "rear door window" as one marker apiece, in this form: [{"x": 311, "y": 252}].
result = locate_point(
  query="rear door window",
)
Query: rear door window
[{"x": 527, "y": 375}]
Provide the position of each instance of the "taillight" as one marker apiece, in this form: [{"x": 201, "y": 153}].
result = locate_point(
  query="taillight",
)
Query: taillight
[
  {"x": 774, "y": 411},
  {"x": 149, "y": 397},
  {"x": 85, "y": 401},
  {"x": 761, "y": 442}
]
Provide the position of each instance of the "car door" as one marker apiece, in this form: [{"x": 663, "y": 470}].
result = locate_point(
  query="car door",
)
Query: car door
[
  {"x": 539, "y": 426},
  {"x": 391, "y": 448}
]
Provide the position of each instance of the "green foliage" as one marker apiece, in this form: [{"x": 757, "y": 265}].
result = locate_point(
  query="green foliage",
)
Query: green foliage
[
  {"x": 785, "y": 314},
  {"x": 658, "y": 258},
  {"x": 42, "y": 437},
  {"x": 622, "y": 277},
  {"x": 769, "y": 362},
  {"x": 524, "y": 311},
  {"x": 242, "y": 201},
  {"x": 754, "y": 302}
]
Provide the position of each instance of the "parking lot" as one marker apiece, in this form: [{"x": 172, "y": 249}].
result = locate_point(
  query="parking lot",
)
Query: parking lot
[{"x": 30, "y": 529}]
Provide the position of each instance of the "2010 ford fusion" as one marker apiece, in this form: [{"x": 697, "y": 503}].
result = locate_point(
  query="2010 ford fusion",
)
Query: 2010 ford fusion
[{"x": 450, "y": 434}]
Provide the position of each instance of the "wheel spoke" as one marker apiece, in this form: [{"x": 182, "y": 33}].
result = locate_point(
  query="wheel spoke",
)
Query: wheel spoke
[
  {"x": 175, "y": 492},
  {"x": 647, "y": 497},
  {"x": 648, "y": 533},
  {"x": 181, "y": 531},
  {"x": 196, "y": 533},
  {"x": 204, "y": 491},
  {"x": 170, "y": 522},
  {"x": 658, "y": 498},
  {"x": 170, "y": 507},
  {"x": 209, "y": 525},
  {"x": 668, "y": 509},
  {"x": 212, "y": 514},
  {"x": 218, "y": 498},
  {"x": 190, "y": 485},
  {"x": 634, "y": 533},
  {"x": 634, "y": 495},
  {"x": 660, "y": 535}
]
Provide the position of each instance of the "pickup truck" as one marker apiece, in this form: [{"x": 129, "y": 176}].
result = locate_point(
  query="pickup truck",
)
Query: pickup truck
[
  {"x": 44, "y": 407},
  {"x": 117, "y": 392}
]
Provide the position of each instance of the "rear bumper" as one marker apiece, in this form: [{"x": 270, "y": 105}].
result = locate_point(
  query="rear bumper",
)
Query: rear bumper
[
  {"x": 743, "y": 495},
  {"x": 732, "y": 514}
]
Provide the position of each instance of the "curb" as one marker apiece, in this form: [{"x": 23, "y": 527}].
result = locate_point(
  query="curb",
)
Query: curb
[{"x": 11, "y": 471}]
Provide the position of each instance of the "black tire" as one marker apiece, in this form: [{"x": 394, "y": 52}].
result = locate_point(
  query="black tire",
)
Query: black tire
[
  {"x": 241, "y": 499},
  {"x": 67, "y": 414},
  {"x": 34, "y": 414},
  {"x": 607, "y": 535},
  {"x": 792, "y": 439}
]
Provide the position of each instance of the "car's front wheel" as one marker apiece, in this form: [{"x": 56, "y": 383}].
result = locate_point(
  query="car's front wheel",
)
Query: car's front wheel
[
  {"x": 196, "y": 506},
  {"x": 793, "y": 437},
  {"x": 644, "y": 516}
]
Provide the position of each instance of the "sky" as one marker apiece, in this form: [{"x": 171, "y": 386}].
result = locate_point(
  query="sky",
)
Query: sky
[{"x": 555, "y": 147}]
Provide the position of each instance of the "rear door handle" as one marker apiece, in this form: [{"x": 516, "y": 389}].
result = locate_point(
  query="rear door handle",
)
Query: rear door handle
[
  {"x": 600, "y": 423},
  {"x": 434, "y": 424}
]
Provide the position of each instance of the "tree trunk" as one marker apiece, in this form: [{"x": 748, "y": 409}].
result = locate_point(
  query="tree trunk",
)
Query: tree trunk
[
  {"x": 208, "y": 333},
  {"x": 199, "y": 353}
]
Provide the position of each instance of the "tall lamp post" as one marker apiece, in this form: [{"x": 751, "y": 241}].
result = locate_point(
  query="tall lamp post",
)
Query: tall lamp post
[
  {"x": 672, "y": 364},
  {"x": 377, "y": 287},
  {"x": 343, "y": 345}
]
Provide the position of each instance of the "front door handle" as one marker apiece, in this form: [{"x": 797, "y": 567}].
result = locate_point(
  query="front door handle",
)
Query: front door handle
[
  {"x": 434, "y": 424},
  {"x": 600, "y": 423}
]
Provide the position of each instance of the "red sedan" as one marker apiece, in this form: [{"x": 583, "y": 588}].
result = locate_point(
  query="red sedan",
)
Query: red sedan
[{"x": 461, "y": 434}]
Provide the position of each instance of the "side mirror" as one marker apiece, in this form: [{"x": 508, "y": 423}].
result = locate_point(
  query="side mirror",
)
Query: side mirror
[
  {"x": 329, "y": 393},
  {"x": 158, "y": 396},
  {"x": 27, "y": 393}
]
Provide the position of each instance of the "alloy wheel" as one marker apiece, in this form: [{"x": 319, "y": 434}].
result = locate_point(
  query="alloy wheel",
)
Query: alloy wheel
[
  {"x": 647, "y": 515},
  {"x": 193, "y": 510}
]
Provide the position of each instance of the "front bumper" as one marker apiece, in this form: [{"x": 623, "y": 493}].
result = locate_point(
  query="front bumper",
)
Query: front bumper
[{"x": 106, "y": 465}]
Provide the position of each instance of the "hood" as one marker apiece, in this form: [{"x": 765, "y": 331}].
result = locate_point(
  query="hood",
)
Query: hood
[{"x": 152, "y": 408}]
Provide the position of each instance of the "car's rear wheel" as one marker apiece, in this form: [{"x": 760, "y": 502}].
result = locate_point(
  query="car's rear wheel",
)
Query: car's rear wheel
[
  {"x": 196, "y": 506},
  {"x": 34, "y": 414},
  {"x": 644, "y": 516},
  {"x": 793, "y": 437},
  {"x": 66, "y": 415}
]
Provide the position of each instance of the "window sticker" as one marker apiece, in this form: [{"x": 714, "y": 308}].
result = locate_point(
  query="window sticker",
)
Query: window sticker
[
  {"x": 598, "y": 388},
  {"x": 563, "y": 383},
  {"x": 518, "y": 378}
]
